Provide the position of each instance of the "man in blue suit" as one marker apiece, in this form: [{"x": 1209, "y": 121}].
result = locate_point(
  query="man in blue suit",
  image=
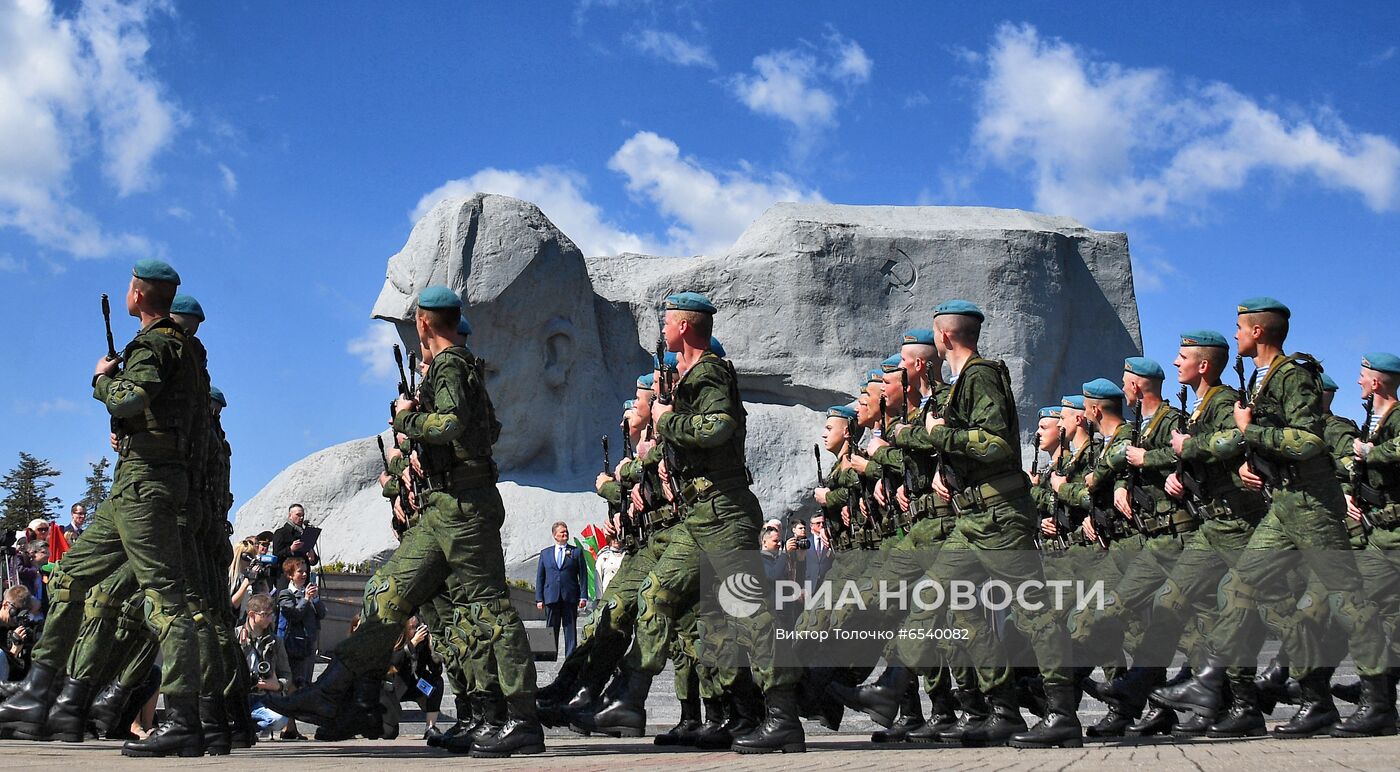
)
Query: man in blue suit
[{"x": 561, "y": 586}]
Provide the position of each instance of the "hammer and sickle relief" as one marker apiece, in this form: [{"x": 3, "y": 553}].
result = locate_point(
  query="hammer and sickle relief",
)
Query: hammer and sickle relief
[{"x": 900, "y": 276}]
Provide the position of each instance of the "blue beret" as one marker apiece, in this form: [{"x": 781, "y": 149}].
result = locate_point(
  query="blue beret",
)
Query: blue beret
[
  {"x": 1382, "y": 362},
  {"x": 1144, "y": 367},
  {"x": 186, "y": 305},
  {"x": 959, "y": 307},
  {"x": 646, "y": 381},
  {"x": 841, "y": 411},
  {"x": 1262, "y": 304},
  {"x": 1102, "y": 388},
  {"x": 1074, "y": 401},
  {"x": 1204, "y": 339},
  {"x": 874, "y": 376},
  {"x": 438, "y": 296},
  {"x": 1050, "y": 412},
  {"x": 464, "y": 327},
  {"x": 716, "y": 347},
  {"x": 629, "y": 404},
  {"x": 671, "y": 360},
  {"x": 217, "y": 394},
  {"x": 155, "y": 270},
  {"x": 1328, "y": 384},
  {"x": 890, "y": 364},
  {"x": 918, "y": 336},
  {"x": 689, "y": 301}
]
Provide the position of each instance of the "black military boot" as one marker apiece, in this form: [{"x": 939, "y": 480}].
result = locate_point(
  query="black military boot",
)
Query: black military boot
[
  {"x": 1183, "y": 674},
  {"x": 1060, "y": 729},
  {"x": 320, "y": 702},
  {"x": 1193, "y": 725},
  {"x": 943, "y": 717},
  {"x": 1127, "y": 694},
  {"x": 1203, "y": 694},
  {"x": 626, "y": 716},
  {"x": 181, "y": 734},
  {"x": 67, "y": 720},
  {"x": 879, "y": 700},
  {"x": 1157, "y": 720},
  {"x": 25, "y": 710},
  {"x": 240, "y": 719},
  {"x": 1318, "y": 712},
  {"x": 685, "y": 730},
  {"x": 1349, "y": 692},
  {"x": 1004, "y": 721},
  {"x": 816, "y": 702},
  {"x": 1272, "y": 685},
  {"x": 911, "y": 717},
  {"x": 464, "y": 721},
  {"x": 781, "y": 730},
  {"x": 488, "y": 715},
  {"x": 560, "y": 690},
  {"x": 1375, "y": 717},
  {"x": 1113, "y": 724},
  {"x": 711, "y": 733},
  {"x": 218, "y": 738},
  {"x": 520, "y": 735},
  {"x": 976, "y": 712},
  {"x": 1243, "y": 719},
  {"x": 106, "y": 708},
  {"x": 747, "y": 709}
]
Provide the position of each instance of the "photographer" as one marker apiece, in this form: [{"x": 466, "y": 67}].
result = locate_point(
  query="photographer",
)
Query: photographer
[
  {"x": 267, "y": 662},
  {"x": 21, "y": 632},
  {"x": 797, "y": 546},
  {"x": 254, "y": 572},
  {"x": 300, "y": 626},
  {"x": 418, "y": 673}
]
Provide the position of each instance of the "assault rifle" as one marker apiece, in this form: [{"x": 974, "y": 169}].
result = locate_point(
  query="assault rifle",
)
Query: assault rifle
[
  {"x": 1194, "y": 493},
  {"x": 1257, "y": 464},
  {"x": 1362, "y": 493},
  {"x": 665, "y": 392},
  {"x": 112, "y": 355},
  {"x": 1138, "y": 500},
  {"x": 394, "y": 523}
]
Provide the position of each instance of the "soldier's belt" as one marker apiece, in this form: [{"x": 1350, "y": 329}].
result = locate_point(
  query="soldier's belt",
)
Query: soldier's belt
[
  {"x": 1303, "y": 473},
  {"x": 1174, "y": 523},
  {"x": 1233, "y": 506},
  {"x": 462, "y": 478},
  {"x": 665, "y": 517},
  {"x": 702, "y": 488},
  {"x": 1004, "y": 487},
  {"x": 152, "y": 442},
  {"x": 1368, "y": 496},
  {"x": 1385, "y": 517}
]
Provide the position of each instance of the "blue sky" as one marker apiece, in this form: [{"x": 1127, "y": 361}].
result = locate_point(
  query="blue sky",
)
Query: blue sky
[{"x": 276, "y": 153}]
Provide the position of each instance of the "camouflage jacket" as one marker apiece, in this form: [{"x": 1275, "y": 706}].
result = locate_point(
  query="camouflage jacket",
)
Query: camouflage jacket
[
  {"x": 980, "y": 437},
  {"x": 706, "y": 426},
  {"x": 157, "y": 390},
  {"x": 455, "y": 420},
  {"x": 1214, "y": 451}
]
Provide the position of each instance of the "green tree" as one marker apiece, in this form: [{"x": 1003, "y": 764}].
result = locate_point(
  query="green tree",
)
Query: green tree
[
  {"x": 28, "y": 497},
  {"x": 99, "y": 483}
]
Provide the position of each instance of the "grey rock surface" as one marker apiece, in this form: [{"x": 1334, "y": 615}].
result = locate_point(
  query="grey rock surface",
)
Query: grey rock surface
[{"x": 810, "y": 296}]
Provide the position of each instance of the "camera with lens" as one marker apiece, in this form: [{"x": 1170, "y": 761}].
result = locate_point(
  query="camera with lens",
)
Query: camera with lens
[
  {"x": 804, "y": 543},
  {"x": 261, "y": 567},
  {"x": 262, "y": 669},
  {"x": 21, "y": 621}
]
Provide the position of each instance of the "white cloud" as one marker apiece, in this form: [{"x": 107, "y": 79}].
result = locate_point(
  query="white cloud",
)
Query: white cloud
[
  {"x": 62, "y": 81},
  {"x": 1382, "y": 57},
  {"x": 673, "y": 48},
  {"x": 797, "y": 85},
  {"x": 708, "y": 210},
  {"x": 47, "y": 407},
  {"x": 373, "y": 349},
  {"x": 559, "y": 193},
  {"x": 916, "y": 99},
  {"x": 1151, "y": 274},
  {"x": 8, "y": 264},
  {"x": 1106, "y": 142},
  {"x": 230, "y": 179},
  {"x": 179, "y": 213}
]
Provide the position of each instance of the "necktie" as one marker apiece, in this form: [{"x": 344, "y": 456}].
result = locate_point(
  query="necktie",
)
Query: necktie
[{"x": 559, "y": 556}]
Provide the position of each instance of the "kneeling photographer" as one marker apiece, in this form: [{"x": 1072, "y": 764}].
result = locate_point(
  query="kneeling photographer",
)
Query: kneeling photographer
[
  {"x": 267, "y": 661},
  {"x": 21, "y": 632}
]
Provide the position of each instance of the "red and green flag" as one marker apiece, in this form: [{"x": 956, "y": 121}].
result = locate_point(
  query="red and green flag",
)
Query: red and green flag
[{"x": 592, "y": 540}]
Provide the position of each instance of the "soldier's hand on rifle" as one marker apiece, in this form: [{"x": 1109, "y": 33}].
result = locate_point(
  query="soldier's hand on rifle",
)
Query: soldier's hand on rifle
[
  {"x": 1088, "y": 527},
  {"x": 602, "y": 479},
  {"x": 617, "y": 470},
  {"x": 1362, "y": 449},
  {"x": 1353, "y": 511},
  {"x": 1047, "y": 527},
  {"x": 940, "y": 488},
  {"x": 880, "y": 495},
  {"x": 1244, "y": 416},
  {"x": 1090, "y": 479},
  {"x": 106, "y": 367},
  {"x": 403, "y": 403},
  {"x": 859, "y": 463},
  {"x": 901, "y": 494},
  {"x": 875, "y": 444},
  {"x": 1179, "y": 441},
  {"x": 665, "y": 476},
  {"x": 1251, "y": 480},
  {"x": 113, "y": 437},
  {"x": 1136, "y": 456},
  {"x": 637, "y": 504},
  {"x": 931, "y": 421},
  {"x": 846, "y": 516},
  {"x": 393, "y": 454},
  {"x": 644, "y": 447},
  {"x": 1123, "y": 502},
  {"x": 399, "y": 516},
  {"x": 414, "y": 463},
  {"x": 820, "y": 495},
  {"x": 658, "y": 410},
  {"x": 1057, "y": 480},
  {"x": 1174, "y": 487}
]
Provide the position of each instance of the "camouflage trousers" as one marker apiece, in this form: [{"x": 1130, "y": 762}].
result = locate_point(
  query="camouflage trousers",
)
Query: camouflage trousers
[
  {"x": 457, "y": 536},
  {"x": 1303, "y": 530},
  {"x": 726, "y": 523},
  {"x": 135, "y": 527},
  {"x": 991, "y": 543}
]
